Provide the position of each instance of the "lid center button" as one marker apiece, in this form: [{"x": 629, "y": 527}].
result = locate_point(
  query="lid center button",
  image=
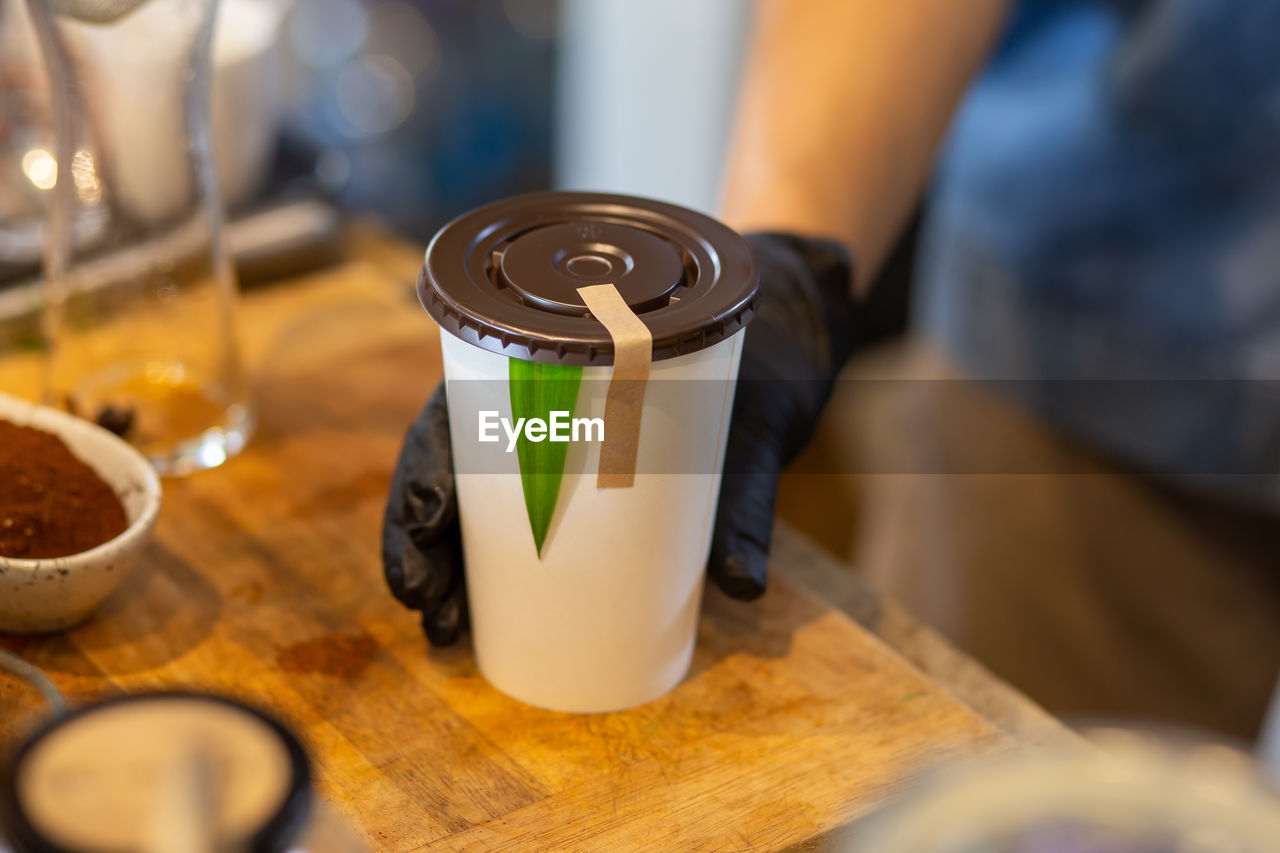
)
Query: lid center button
[
  {"x": 588, "y": 266},
  {"x": 592, "y": 263}
]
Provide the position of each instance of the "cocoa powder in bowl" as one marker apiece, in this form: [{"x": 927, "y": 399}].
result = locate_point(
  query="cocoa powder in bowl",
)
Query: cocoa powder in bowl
[{"x": 51, "y": 503}]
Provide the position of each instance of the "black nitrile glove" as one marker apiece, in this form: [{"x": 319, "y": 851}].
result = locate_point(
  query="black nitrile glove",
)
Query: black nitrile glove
[
  {"x": 804, "y": 331},
  {"x": 421, "y": 538}
]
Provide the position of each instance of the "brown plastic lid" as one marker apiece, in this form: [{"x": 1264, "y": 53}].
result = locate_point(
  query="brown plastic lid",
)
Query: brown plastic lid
[{"x": 505, "y": 276}]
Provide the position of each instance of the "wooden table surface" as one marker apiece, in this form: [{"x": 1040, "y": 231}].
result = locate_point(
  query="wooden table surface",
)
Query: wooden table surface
[{"x": 264, "y": 581}]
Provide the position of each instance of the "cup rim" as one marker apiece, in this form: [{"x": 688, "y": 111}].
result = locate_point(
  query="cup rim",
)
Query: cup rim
[{"x": 25, "y": 413}]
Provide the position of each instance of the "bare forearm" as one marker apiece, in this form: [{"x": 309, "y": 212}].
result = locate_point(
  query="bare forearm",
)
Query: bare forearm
[{"x": 843, "y": 105}]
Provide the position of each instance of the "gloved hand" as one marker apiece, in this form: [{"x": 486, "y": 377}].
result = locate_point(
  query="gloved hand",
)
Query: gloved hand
[{"x": 804, "y": 331}]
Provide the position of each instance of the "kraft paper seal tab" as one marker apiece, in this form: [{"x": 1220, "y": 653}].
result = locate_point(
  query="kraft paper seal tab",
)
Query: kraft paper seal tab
[{"x": 624, "y": 403}]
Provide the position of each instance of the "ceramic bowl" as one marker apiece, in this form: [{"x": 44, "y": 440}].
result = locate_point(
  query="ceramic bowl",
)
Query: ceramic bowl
[{"x": 42, "y": 596}]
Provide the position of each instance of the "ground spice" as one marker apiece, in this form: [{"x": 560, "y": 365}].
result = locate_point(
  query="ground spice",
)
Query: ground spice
[{"x": 51, "y": 503}]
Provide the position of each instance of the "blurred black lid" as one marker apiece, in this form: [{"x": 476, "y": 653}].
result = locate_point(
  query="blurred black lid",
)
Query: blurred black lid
[
  {"x": 505, "y": 276},
  {"x": 121, "y": 758}
]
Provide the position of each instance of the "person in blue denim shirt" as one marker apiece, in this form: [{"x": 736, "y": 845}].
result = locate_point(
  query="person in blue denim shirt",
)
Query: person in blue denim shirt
[
  {"x": 1101, "y": 247},
  {"x": 1107, "y": 210}
]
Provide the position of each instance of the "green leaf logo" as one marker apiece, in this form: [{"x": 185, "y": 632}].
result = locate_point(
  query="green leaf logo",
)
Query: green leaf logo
[{"x": 537, "y": 390}]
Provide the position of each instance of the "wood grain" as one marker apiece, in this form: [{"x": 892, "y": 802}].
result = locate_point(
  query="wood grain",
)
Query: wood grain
[{"x": 264, "y": 581}]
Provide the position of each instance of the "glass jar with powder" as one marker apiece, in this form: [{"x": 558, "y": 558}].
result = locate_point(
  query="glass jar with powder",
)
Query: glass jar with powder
[{"x": 139, "y": 314}]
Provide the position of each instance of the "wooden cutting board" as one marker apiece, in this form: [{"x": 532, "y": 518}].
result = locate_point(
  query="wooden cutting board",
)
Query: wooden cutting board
[{"x": 264, "y": 581}]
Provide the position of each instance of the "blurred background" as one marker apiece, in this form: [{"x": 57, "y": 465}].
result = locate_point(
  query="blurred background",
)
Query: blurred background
[
  {"x": 419, "y": 109},
  {"x": 416, "y": 110}
]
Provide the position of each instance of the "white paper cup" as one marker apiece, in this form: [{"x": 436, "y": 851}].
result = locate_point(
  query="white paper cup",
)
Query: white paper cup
[{"x": 606, "y": 617}]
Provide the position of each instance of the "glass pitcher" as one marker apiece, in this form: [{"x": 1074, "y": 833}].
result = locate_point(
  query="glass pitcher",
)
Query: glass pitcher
[{"x": 140, "y": 292}]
